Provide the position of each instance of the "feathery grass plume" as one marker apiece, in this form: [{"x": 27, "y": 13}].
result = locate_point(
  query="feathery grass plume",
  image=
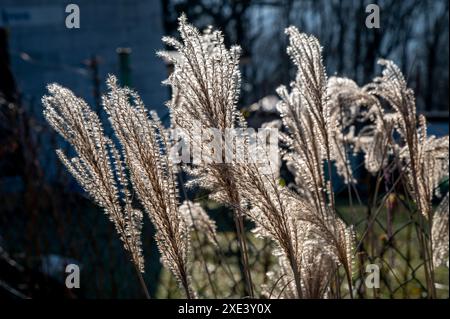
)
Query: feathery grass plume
[
  {"x": 425, "y": 158},
  {"x": 324, "y": 119},
  {"x": 433, "y": 159},
  {"x": 358, "y": 123},
  {"x": 436, "y": 159},
  {"x": 279, "y": 285},
  {"x": 194, "y": 214},
  {"x": 378, "y": 145},
  {"x": 303, "y": 114},
  {"x": 273, "y": 209},
  {"x": 283, "y": 216},
  {"x": 205, "y": 85},
  {"x": 439, "y": 234},
  {"x": 314, "y": 262},
  {"x": 306, "y": 114},
  {"x": 98, "y": 166},
  {"x": 316, "y": 274},
  {"x": 392, "y": 87},
  {"x": 146, "y": 147}
]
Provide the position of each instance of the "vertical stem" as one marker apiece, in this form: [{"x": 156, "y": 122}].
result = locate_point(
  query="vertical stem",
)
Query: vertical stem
[
  {"x": 240, "y": 231},
  {"x": 142, "y": 282},
  {"x": 196, "y": 231}
]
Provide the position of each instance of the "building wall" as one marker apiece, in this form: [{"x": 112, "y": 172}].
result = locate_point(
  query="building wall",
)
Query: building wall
[{"x": 43, "y": 50}]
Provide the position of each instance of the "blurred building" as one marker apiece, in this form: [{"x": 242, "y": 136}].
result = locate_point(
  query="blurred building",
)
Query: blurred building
[{"x": 44, "y": 50}]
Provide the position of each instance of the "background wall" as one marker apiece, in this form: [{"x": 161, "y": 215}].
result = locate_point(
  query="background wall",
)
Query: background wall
[{"x": 43, "y": 50}]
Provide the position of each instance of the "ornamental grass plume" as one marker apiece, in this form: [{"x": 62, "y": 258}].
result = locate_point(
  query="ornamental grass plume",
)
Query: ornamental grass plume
[
  {"x": 306, "y": 115},
  {"x": 205, "y": 85},
  {"x": 107, "y": 173},
  {"x": 393, "y": 133},
  {"x": 325, "y": 121},
  {"x": 424, "y": 159},
  {"x": 98, "y": 166},
  {"x": 439, "y": 234},
  {"x": 146, "y": 146}
]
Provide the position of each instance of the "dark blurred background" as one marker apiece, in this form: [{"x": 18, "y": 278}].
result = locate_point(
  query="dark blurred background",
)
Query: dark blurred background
[{"x": 47, "y": 222}]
